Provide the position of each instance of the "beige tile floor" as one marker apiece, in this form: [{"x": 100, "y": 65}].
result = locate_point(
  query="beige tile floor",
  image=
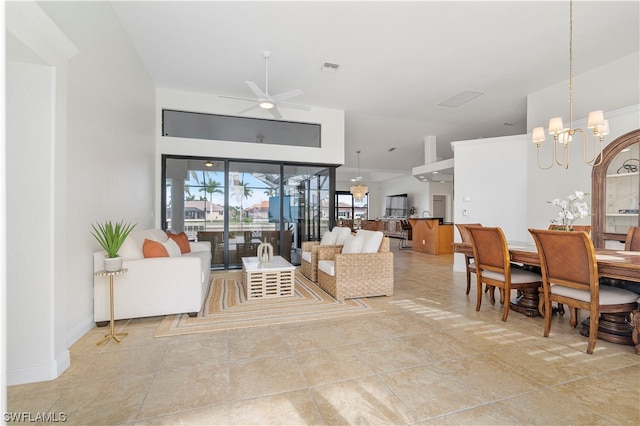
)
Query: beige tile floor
[{"x": 429, "y": 358}]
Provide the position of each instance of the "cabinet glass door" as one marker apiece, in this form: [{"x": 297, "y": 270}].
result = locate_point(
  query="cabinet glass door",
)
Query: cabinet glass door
[{"x": 621, "y": 190}]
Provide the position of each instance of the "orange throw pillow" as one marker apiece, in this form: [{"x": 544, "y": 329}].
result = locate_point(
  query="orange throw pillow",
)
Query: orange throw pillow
[
  {"x": 154, "y": 249},
  {"x": 182, "y": 240}
]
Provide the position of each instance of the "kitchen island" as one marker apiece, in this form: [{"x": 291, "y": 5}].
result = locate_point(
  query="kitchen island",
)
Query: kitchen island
[{"x": 432, "y": 235}]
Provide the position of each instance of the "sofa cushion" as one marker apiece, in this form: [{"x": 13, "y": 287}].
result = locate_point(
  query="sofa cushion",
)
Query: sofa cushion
[
  {"x": 152, "y": 248},
  {"x": 372, "y": 240},
  {"x": 343, "y": 234},
  {"x": 182, "y": 240},
  {"x": 157, "y": 235},
  {"x": 306, "y": 256},
  {"x": 329, "y": 238},
  {"x": 353, "y": 244},
  {"x": 157, "y": 249},
  {"x": 132, "y": 246},
  {"x": 327, "y": 266}
]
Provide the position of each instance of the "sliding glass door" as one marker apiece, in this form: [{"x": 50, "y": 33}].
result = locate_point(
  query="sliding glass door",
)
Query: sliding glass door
[{"x": 236, "y": 205}]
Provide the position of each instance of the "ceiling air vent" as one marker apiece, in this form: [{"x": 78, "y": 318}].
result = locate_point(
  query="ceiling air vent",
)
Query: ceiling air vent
[
  {"x": 329, "y": 67},
  {"x": 460, "y": 98}
]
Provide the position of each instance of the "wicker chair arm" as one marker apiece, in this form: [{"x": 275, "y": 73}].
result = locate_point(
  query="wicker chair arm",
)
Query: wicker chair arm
[
  {"x": 328, "y": 252},
  {"x": 308, "y": 245}
]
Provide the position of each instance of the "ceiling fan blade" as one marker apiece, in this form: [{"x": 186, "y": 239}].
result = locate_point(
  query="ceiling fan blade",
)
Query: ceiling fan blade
[
  {"x": 287, "y": 95},
  {"x": 238, "y": 98},
  {"x": 294, "y": 106},
  {"x": 276, "y": 114},
  {"x": 248, "y": 109},
  {"x": 256, "y": 90}
]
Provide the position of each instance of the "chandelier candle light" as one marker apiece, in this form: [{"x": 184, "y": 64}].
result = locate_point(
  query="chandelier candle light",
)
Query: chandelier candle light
[
  {"x": 358, "y": 191},
  {"x": 562, "y": 135}
]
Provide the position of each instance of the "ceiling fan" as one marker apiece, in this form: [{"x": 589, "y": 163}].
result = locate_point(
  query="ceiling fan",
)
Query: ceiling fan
[{"x": 265, "y": 100}]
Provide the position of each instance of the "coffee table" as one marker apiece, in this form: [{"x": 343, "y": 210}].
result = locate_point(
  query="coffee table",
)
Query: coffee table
[{"x": 264, "y": 280}]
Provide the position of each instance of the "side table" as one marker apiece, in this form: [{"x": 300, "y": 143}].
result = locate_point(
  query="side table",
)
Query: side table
[{"x": 110, "y": 274}]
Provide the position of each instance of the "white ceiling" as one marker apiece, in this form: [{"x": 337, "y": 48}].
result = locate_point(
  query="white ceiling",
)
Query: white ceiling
[{"x": 398, "y": 61}]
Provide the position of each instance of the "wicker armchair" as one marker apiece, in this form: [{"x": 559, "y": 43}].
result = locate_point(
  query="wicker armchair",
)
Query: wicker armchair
[
  {"x": 309, "y": 258},
  {"x": 356, "y": 274}
]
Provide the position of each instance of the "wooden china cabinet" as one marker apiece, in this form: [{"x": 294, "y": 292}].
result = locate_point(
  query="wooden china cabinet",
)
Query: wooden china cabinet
[{"x": 615, "y": 190}]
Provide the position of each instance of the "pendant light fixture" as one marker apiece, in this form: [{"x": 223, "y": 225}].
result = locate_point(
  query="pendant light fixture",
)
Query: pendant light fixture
[
  {"x": 358, "y": 191},
  {"x": 563, "y": 136}
]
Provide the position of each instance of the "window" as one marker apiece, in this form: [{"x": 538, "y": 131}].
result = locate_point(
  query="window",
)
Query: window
[
  {"x": 214, "y": 127},
  {"x": 350, "y": 212}
]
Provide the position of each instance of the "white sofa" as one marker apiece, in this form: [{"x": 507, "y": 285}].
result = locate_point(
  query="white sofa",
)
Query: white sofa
[{"x": 152, "y": 286}]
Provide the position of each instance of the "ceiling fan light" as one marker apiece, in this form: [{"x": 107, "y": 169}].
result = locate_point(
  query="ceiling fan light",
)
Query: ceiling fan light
[{"x": 266, "y": 104}]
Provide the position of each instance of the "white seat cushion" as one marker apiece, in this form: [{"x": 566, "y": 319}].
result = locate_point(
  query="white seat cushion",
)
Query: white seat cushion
[
  {"x": 608, "y": 295},
  {"x": 472, "y": 265},
  {"x": 306, "y": 256},
  {"x": 327, "y": 266},
  {"x": 372, "y": 240},
  {"x": 518, "y": 276}
]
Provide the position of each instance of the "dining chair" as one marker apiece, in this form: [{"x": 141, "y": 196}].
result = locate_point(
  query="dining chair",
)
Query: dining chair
[
  {"x": 468, "y": 259},
  {"x": 570, "y": 277},
  {"x": 632, "y": 242},
  {"x": 407, "y": 234},
  {"x": 493, "y": 266}
]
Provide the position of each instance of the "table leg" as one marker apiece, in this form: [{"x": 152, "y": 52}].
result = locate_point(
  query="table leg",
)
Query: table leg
[
  {"x": 527, "y": 302},
  {"x": 112, "y": 334}
]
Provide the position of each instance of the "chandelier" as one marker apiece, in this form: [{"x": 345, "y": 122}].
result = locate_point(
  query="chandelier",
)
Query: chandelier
[
  {"x": 563, "y": 135},
  {"x": 358, "y": 191}
]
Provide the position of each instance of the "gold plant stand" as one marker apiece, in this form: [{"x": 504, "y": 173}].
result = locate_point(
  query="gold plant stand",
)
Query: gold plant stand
[{"x": 112, "y": 334}]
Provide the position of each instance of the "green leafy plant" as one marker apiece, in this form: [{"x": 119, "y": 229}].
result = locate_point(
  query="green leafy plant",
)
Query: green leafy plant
[
  {"x": 111, "y": 237},
  {"x": 412, "y": 210}
]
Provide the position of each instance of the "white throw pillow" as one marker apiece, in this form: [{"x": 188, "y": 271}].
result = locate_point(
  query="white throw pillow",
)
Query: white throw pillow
[
  {"x": 343, "y": 234},
  {"x": 132, "y": 246},
  {"x": 157, "y": 235},
  {"x": 353, "y": 244},
  {"x": 372, "y": 240},
  {"x": 172, "y": 248},
  {"x": 329, "y": 239}
]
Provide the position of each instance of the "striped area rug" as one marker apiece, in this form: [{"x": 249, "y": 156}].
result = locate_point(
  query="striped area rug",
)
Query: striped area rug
[{"x": 226, "y": 307}]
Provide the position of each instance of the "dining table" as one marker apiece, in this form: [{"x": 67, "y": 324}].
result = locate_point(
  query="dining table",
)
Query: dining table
[{"x": 612, "y": 264}]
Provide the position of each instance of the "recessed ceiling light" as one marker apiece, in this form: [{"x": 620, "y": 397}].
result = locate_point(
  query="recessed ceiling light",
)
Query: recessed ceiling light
[
  {"x": 330, "y": 67},
  {"x": 435, "y": 173}
]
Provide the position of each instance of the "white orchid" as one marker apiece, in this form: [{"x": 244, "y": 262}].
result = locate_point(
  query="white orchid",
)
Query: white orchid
[{"x": 571, "y": 209}]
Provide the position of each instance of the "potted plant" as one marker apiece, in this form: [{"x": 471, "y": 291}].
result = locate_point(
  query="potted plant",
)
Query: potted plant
[
  {"x": 111, "y": 237},
  {"x": 412, "y": 211}
]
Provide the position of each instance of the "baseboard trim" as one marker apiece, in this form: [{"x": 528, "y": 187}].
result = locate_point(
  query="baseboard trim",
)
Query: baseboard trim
[{"x": 40, "y": 373}]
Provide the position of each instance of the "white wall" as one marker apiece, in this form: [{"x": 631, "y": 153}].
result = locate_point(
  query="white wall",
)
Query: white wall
[
  {"x": 608, "y": 88},
  {"x": 101, "y": 163},
  {"x": 491, "y": 174}
]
